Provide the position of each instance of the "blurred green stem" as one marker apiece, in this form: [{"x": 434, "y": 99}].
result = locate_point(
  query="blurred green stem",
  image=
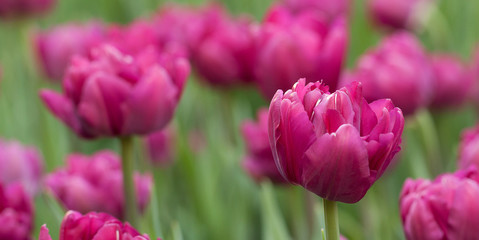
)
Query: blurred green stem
[
  {"x": 331, "y": 219},
  {"x": 131, "y": 211},
  {"x": 431, "y": 142},
  {"x": 310, "y": 218}
]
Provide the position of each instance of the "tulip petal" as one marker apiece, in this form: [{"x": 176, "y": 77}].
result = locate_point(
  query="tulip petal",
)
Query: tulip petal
[
  {"x": 419, "y": 223},
  {"x": 464, "y": 213},
  {"x": 44, "y": 233}
]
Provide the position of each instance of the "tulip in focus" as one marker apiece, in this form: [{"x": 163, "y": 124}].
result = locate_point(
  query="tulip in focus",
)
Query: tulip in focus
[
  {"x": 293, "y": 47},
  {"x": 330, "y": 8},
  {"x": 445, "y": 208},
  {"x": 16, "y": 213},
  {"x": 452, "y": 81},
  {"x": 259, "y": 162},
  {"x": 469, "y": 148},
  {"x": 335, "y": 145},
  {"x": 22, "y": 8},
  {"x": 160, "y": 146},
  {"x": 96, "y": 184},
  {"x": 93, "y": 226},
  {"x": 399, "y": 14},
  {"x": 397, "y": 69},
  {"x": 112, "y": 94},
  {"x": 57, "y": 46},
  {"x": 20, "y": 164}
]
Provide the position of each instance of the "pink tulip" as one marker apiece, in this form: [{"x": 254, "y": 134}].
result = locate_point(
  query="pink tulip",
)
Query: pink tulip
[
  {"x": 469, "y": 148},
  {"x": 20, "y": 164},
  {"x": 57, "y": 46},
  {"x": 161, "y": 148},
  {"x": 259, "y": 162},
  {"x": 474, "y": 92},
  {"x": 112, "y": 94},
  {"x": 23, "y": 8},
  {"x": 452, "y": 81},
  {"x": 292, "y": 47},
  {"x": 398, "y": 69},
  {"x": 330, "y": 8},
  {"x": 445, "y": 208},
  {"x": 335, "y": 145},
  {"x": 93, "y": 226},
  {"x": 16, "y": 213},
  {"x": 96, "y": 184},
  {"x": 398, "y": 13}
]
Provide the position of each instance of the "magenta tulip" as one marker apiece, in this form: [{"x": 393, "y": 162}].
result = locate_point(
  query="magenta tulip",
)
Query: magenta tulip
[
  {"x": 96, "y": 184},
  {"x": 57, "y": 46},
  {"x": 93, "y": 226},
  {"x": 398, "y": 14},
  {"x": 23, "y": 8},
  {"x": 335, "y": 145},
  {"x": 330, "y": 8},
  {"x": 259, "y": 162},
  {"x": 452, "y": 81},
  {"x": 469, "y": 148},
  {"x": 292, "y": 47},
  {"x": 398, "y": 69},
  {"x": 445, "y": 208},
  {"x": 160, "y": 146},
  {"x": 112, "y": 94},
  {"x": 20, "y": 164},
  {"x": 16, "y": 213}
]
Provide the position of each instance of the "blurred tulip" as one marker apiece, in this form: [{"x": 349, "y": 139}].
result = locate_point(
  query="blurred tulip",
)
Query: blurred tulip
[
  {"x": 335, "y": 145},
  {"x": 20, "y": 164},
  {"x": 399, "y": 13},
  {"x": 469, "y": 148},
  {"x": 330, "y": 8},
  {"x": 24, "y": 8},
  {"x": 57, "y": 46},
  {"x": 292, "y": 47},
  {"x": 16, "y": 213},
  {"x": 111, "y": 94},
  {"x": 398, "y": 69},
  {"x": 452, "y": 81},
  {"x": 445, "y": 208},
  {"x": 93, "y": 226},
  {"x": 133, "y": 38},
  {"x": 160, "y": 146},
  {"x": 96, "y": 184},
  {"x": 474, "y": 92},
  {"x": 259, "y": 162}
]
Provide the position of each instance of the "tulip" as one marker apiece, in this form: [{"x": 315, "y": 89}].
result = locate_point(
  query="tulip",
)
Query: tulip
[
  {"x": 112, "y": 94},
  {"x": 452, "y": 81},
  {"x": 330, "y": 8},
  {"x": 23, "y": 8},
  {"x": 474, "y": 93},
  {"x": 16, "y": 212},
  {"x": 93, "y": 226},
  {"x": 292, "y": 47},
  {"x": 160, "y": 146},
  {"x": 398, "y": 69},
  {"x": 132, "y": 39},
  {"x": 398, "y": 14},
  {"x": 55, "y": 47},
  {"x": 259, "y": 162},
  {"x": 20, "y": 164},
  {"x": 335, "y": 145},
  {"x": 445, "y": 208},
  {"x": 469, "y": 148},
  {"x": 96, "y": 184}
]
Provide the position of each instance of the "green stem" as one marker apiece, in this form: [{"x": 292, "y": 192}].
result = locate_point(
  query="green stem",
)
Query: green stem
[
  {"x": 431, "y": 141},
  {"x": 331, "y": 220},
  {"x": 310, "y": 218},
  {"x": 130, "y": 209}
]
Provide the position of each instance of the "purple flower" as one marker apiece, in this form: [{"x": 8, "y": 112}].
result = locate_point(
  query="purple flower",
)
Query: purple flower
[
  {"x": 330, "y": 8},
  {"x": 23, "y": 8},
  {"x": 259, "y": 162},
  {"x": 16, "y": 212},
  {"x": 398, "y": 14},
  {"x": 398, "y": 69},
  {"x": 112, "y": 94},
  {"x": 292, "y": 47},
  {"x": 445, "y": 208},
  {"x": 96, "y": 184},
  {"x": 469, "y": 148},
  {"x": 335, "y": 145},
  {"x": 160, "y": 146}
]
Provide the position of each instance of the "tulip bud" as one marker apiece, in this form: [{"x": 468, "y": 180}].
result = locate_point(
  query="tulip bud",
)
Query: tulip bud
[
  {"x": 111, "y": 94},
  {"x": 292, "y": 47},
  {"x": 399, "y": 14},
  {"x": 398, "y": 69},
  {"x": 469, "y": 148},
  {"x": 16, "y": 213},
  {"x": 96, "y": 184},
  {"x": 259, "y": 162},
  {"x": 330, "y": 8},
  {"x": 93, "y": 226},
  {"x": 23, "y": 8},
  {"x": 55, "y": 47},
  {"x": 160, "y": 146},
  {"x": 335, "y": 145},
  {"x": 20, "y": 164},
  {"x": 445, "y": 208}
]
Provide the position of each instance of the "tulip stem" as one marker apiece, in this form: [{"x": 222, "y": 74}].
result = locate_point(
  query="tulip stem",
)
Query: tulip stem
[
  {"x": 130, "y": 209},
  {"x": 309, "y": 202},
  {"x": 331, "y": 219}
]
